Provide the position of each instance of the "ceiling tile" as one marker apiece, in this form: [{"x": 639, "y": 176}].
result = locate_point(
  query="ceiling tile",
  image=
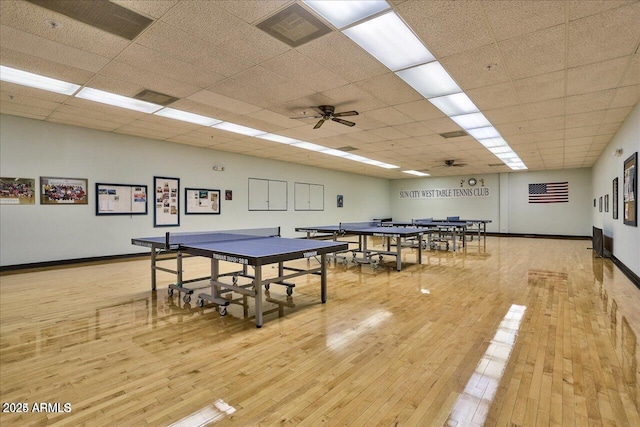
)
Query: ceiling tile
[
  {"x": 389, "y": 116},
  {"x": 389, "y": 89},
  {"x": 607, "y": 35},
  {"x": 536, "y": 53},
  {"x": 149, "y": 80},
  {"x": 593, "y": 101},
  {"x": 596, "y": 76},
  {"x": 252, "y": 11},
  {"x": 514, "y": 18},
  {"x": 420, "y": 110},
  {"x": 435, "y": 21},
  {"x": 476, "y": 68},
  {"x": 44, "y": 67},
  {"x": 541, "y": 87},
  {"x": 223, "y": 102},
  {"x": 495, "y": 96},
  {"x": 625, "y": 96}
]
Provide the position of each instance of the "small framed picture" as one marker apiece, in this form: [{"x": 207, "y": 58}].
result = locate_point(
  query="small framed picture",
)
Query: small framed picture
[
  {"x": 202, "y": 201},
  {"x": 340, "y": 200}
]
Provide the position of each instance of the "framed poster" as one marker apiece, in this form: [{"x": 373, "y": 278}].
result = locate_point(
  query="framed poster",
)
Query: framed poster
[
  {"x": 606, "y": 203},
  {"x": 63, "y": 191},
  {"x": 121, "y": 199},
  {"x": 340, "y": 200},
  {"x": 202, "y": 201},
  {"x": 630, "y": 190},
  {"x": 166, "y": 212},
  {"x": 17, "y": 191},
  {"x": 600, "y": 204},
  {"x": 614, "y": 200}
]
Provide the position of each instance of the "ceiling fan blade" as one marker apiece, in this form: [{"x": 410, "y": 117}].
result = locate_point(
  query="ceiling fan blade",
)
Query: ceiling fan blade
[
  {"x": 344, "y": 122},
  {"x": 317, "y": 116},
  {"x": 320, "y": 122},
  {"x": 346, "y": 113}
]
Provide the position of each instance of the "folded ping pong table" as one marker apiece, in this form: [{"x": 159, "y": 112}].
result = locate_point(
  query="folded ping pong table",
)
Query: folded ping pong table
[
  {"x": 251, "y": 247},
  {"x": 370, "y": 228}
]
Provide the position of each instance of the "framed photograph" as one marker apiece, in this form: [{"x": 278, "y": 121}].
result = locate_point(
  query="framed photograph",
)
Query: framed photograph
[
  {"x": 166, "y": 212},
  {"x": 121, "y": 199},
  {"x": 228, "y": 195},
  {"x": 600, "y": 204},
  {"x": 17, "y": 191},
  {"x": 614, "y": 200},
  {"x": 630, "y": 190},
  {"x": 340, "y": 200},
  {"x": 202, "y": 201},
  {"x": 594, "y": 203},
  {"x": 606, "y": 203},
  {"x": 63, "y": 191}
]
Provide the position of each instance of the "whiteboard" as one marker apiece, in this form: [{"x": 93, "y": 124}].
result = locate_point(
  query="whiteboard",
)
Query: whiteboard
[{"x": 308, "y": 197}]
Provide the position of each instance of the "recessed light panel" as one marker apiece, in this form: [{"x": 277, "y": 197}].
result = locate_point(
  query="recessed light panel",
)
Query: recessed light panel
[
  {"x": 484, "y": 133},
  {"x": 242, "y": 130},
  {"x": 343, "y": 13},
  {"x": 454, "y": 105},
  {"x": 37, "y": 81},
  {"x": 109, "y": 98},
  {"x": 187, "y": 117},
  {"x": 388, "y": 39},
  {"x": 277, "y": 138},
  {"x": 471, "y": 121},
  {"x": 429, "y": 80}
]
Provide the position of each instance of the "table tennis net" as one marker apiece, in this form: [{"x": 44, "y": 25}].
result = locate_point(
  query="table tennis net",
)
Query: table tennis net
[
  {"x": 190, "y": 238},
  {"x": 357, "y": 225}
]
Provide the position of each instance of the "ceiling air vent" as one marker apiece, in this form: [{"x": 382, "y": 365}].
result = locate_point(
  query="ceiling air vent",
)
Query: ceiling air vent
[
  {"x": 454, "y": 134},
  {"x": 155, "y": 97},
  {"x": 104, "y": 15},
  {"x": 294, "y": 25}
]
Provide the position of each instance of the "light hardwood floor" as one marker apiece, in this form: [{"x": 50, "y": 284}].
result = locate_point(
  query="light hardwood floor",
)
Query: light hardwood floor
[{"x": 524, "y": 332}]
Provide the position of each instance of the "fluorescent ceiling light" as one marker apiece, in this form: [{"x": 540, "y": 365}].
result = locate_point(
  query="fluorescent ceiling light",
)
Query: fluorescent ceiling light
[
  {"x": 500, "y": 150},
  {"x": 416, "y": 173},
  {"x": 454, "y": 105},
  {"x": 429, "y": 80},
  {"x": 242, "y": 130},
  {"x": 471, "y": 121},
  {"x": 494, "y": 142},
  {"x": 334, "y": 152},
  {"x": 109, "y": 98},
  {"x": 390, "y": 41},
  {"x": 277, "y": 138},
  {"x": 309, "y": 146},
  {"x": 343, "y": 13},
  {"x": 37, "y": 81},
  {"x": 187, "y": 117},
  {"x": 484, "y": 133}
]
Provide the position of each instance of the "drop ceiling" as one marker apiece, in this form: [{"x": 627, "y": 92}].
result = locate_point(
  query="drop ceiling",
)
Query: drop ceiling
[{"x": 556, "y": 78}]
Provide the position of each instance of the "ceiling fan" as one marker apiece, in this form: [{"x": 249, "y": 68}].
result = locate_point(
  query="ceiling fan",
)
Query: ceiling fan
[
  {"x": 450, "y": 164},
  {"x": 327, "y": 112}
]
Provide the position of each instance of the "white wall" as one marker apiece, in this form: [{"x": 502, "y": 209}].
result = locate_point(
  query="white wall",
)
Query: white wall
[
  {"x": 564, "y": 219},
  {"x": 403, "y": 209},
  {"x": 507, "y": 206},
  {"x": 626, "y": 238},
  {"x": 39, "y": 233}
]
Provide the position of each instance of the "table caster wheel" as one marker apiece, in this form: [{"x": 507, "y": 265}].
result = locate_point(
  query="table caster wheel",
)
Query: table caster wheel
[
  {"x": 235, "y": 279},
  {"x": 447, "y": 246},
  {"x": 380, "y": 257},
  {"x": 267, "y": 286},
  {"x": 200, "y": 302},
  {"x": 345, "y": 261},
  {"x": 222, "y": 310},
  {"x": 186, "y": 298},
  {"x": 289, "y": 291},
  {"x": 170, "y": 292}
]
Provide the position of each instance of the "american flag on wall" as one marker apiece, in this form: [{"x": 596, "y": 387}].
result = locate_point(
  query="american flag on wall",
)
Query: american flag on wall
[{"x": 549, "y": 192}]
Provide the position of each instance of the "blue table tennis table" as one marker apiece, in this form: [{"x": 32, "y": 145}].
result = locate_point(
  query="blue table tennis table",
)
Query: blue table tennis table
[
  {"x": 250, "y": 247},
  {"x": 442, "y": 228},
  {"x": 366, "y": 229}
]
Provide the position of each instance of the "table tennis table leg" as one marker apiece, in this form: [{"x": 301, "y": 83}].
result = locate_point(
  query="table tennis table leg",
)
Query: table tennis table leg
[
  {"x": 257, "y": 285},
  {"x": 215, "y": 272},
  {"x": 420, "y": 248},
  {"x": 323, "y": 278},
  {"x": 153, "y": 269},
  {"x": 398, "y": 254}
]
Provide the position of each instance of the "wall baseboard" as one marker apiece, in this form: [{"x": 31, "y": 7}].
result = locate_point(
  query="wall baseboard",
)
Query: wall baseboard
[
  {"x": 635, "y": 279},
  {"x": 540, "y": 236},
  {"x": 68, "y": 263}
]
